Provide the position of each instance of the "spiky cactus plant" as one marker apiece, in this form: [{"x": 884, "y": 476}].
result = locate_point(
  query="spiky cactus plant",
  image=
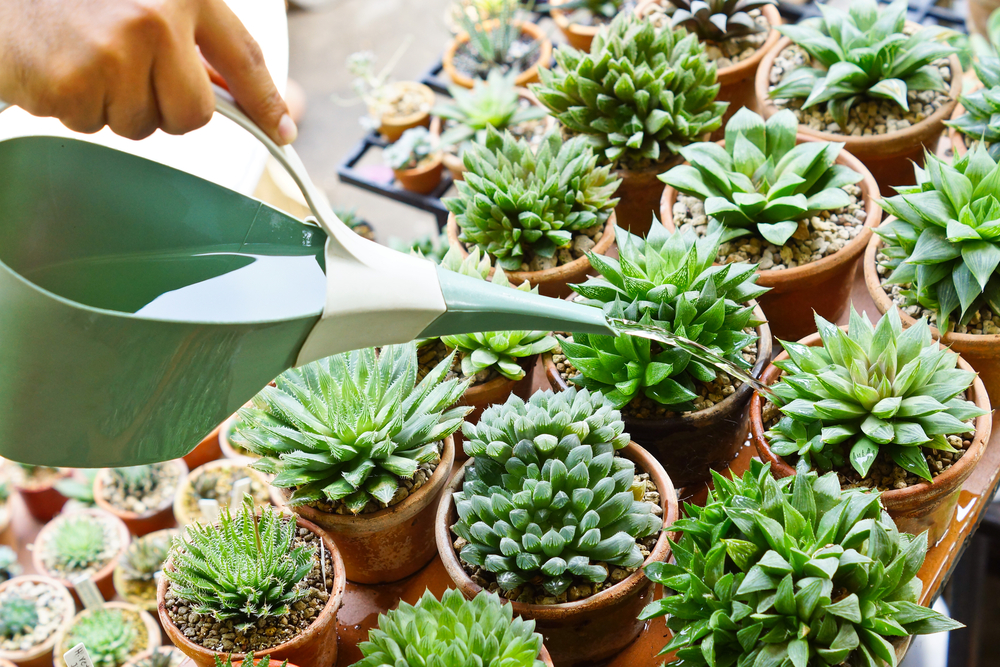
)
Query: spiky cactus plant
[
  {"x": 350, "y": 427},
  {"x": 145, "y": 557},
  {"x": 867, "y": 391},
  {"x": 668, "y": 280},
  {"x": 717, "y": 20},
  {"x": 18, "y": 616},
  {"x": 794, "y": 573},
  {"x": 638, "y": 96},
  {"x": 981, "y": 120},
  {"x": 515, "y": 203},
  {"x": 546, "y": 498},
  {"x": 452, "y": 631},
  {"x": 111, "y": 636},
  {"x": 944, "y": 243}
]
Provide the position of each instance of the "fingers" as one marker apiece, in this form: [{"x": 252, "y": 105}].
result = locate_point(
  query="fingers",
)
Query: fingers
[
  {"x": 230, "y": 49},
  {"x": 183, "y": 89}
]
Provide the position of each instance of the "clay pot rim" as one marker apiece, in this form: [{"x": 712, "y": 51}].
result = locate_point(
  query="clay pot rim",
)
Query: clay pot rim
[
  {"x": 429, "y": 165},
  {"x": 375, "y": 522},
  {"x": 152, "y": 628},
  {"x": 624, "y": 588},
  {"x": 883, "y": 302},
  {"x": 765, "y": 345},
  {"x": 873, "y": 216},
  {"x": 106, "y": 569},
  {"x": 525, "y": 77},
  {"x": 876, "y": 144},
  {"x": 118, "y": 576},
  {"x": 915, "y": 495},
  {"x": 125, "y": 515},
  {"x": 553, "y": 275},
  {"x": 185, "y": 487},
  {"x": 46, "y": 646},
  {"x": 389, "y": 120},
  {"x": 325, "y": 617}
]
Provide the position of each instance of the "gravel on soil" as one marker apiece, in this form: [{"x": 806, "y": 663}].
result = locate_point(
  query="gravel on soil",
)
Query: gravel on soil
[
  {"x": 579, "y": 589},
  {"x": 112, "y": 545},
  {"x": 205, "y": 630},
  {"x": 729, "y": 51},
  {"x": 52, "y": 607},
  {"x": 523, "y": 53},
  {"x": 404, "y": 101},
  {"x": 34, "y": 477},
  {"x": 583, "y": 242},
  {"x": 217, "y": 484},
  {"x": 817, "y": 237},
  {"x": 168, "y": 478}
]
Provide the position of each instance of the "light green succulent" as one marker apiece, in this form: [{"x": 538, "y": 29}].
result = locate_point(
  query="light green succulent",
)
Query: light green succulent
[
  {"x": 945, "y": 239},
  {"x": 762, "y": 182},
  {"x": 77, "y": 542},
  {"x": 667, "y": 280},
  {"x": 864, "y": 54},
  {"x": 867, "y": 391},
  {"x": 638, "y": 96},
  {"x": 491, "y": 103},
  {"x": 452, "y": 632},
  {"x": 351, "y": 427},
  {"x": 18, "y": 616},
  {"x": 515, "y": 203},
  {"x": 145, "y": 556},
  {"x": 792, "y": 574},
  {"x": 981, "y": 120},
  {"x": 112, "y": 636}
]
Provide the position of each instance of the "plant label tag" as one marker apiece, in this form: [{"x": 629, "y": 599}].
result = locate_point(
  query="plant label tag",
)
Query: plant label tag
[
  {"x": 240, "y": 488},
  {"x": 209, "y": 509},
  {"x": 78, "y": 657},
  {"x": 88, "y": 592}
]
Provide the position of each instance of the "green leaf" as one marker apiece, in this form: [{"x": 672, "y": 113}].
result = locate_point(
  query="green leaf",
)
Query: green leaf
[
  {"x": 912, "y": 460},
  {"x": 863, "y": 453},
  {"x": 778, "y": 233}
]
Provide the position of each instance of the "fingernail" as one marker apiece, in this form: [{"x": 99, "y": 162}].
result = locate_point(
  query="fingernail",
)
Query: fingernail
[{"x": 287, "y": 130}]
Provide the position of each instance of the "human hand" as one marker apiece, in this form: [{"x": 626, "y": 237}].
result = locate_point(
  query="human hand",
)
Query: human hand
[{"x": 133, "y": 65}]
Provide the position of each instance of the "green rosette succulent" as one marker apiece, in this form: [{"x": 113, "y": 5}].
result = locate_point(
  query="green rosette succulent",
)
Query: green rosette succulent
[
  {"x": 546, "y": 498},
  {"x": 18, "y": 616},
  {"x": 864, "y": 53},
  {"x": 667, "y": 280},
  {"x": 112, "y": 636},
  {"x": 981, "y": 120},
  {"x": 498, "y": 350},
  {"x": 762, "y": 182},
  {"x": 452, "y": 632},
  {"x": 515, "y": 204},
  {"x": 491, "y": 103},
  {"x": 868, "y": 390},
  {"x": 350, "y": 427},
  {"x": 945, "y": 239},
  {"x": 717, "y": 20},
  {"x": 638, "y": 96},
  {"x": 792, "y": 573}
]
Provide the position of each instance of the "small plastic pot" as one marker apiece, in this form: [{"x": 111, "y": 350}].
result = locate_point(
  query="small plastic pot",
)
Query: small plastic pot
[{"x": 158, "y": 518}]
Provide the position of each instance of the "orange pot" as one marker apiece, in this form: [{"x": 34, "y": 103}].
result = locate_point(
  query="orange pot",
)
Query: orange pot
[
  {"x": 588, "y": 630},
  {"x": 152, "y": 520},
  {"x": 888, "y": 156},
  {"x": 823, "y": 286},
  {"x": 423, "y": 178},
  {"x": 40, "y": 655},
  {"x": 578, "y": 35},
  {"x": 152, "y": 631},
  {"x": 103, "y": 578},
  {"x": 392, "y": 543},
  {"x": 392, "y": 127},
  {"x": 550, "y": 282},
  {"x": 43, "y": 502},
  {"x": 529, "y": 75},
  {"x": 207, "y": 450},
  {"x": 639, "y": 195},
  {"x": 316, "y": 645},
  {"x": 926, "y": 506}
]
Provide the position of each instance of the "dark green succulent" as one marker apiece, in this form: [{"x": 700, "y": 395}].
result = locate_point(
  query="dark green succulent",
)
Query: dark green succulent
[{"x": 981, "y": 120}]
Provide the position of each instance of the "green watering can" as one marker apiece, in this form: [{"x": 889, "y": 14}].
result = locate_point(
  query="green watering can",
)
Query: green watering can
[{"x": 141, "y": 306}]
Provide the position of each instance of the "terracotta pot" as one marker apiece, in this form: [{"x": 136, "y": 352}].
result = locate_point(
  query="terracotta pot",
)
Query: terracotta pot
[
  {"x": 588, "y": 630},
  {"x": 207, "y": 450},
  {"x": 40, "y": 655},
  {"x": 690, "y": 446},
  {"x": 925, "y": 506},
  {"x": 578, "y": 35},
  {"x": 145, "y": 654},
  {"x": 529, "y": 75},
  {"x": 979, "y": 15},
  {"x": 639, "y": 195},
  {"x": 152, "y": 631},
  {"x": 493, "y": 392},
  {"x": 888, "y": 156},
  {"x": 423, "y": 178},
  {"x": 392, "y": 127},
  {"x": 44, "y": 501},
  {"x": 158, "y": 518},
  {"x": 390, "y": 544},
  {"x": 121, "y": 584},
  {"x": 550, "y": 282},
  {"x": 316, "y": 645},
  {"x": 182, "y": 513},
  {"x": 823, "y": 286},
  {"x": 982, "y": 351},
  {"x": 103, "y": 577},
  {"x": 228, "y": 452}
]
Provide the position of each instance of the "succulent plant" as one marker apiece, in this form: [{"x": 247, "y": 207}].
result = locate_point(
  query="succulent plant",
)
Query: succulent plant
[
  {"x": 791, "y": 573},
  {"x": 18, "y": 615},
  {"x": 717, "y": 20},
  {"x": 945, "y": 240},
  {"x": 761, "y": 182},
  {"x": 410, "y": 150},
  {"x": 981, "y": 120},
  {"x": 77, "y": 542},
  {"x": 161, "y": 657},
  {"x": 546, "y": 498},
  {"x": 864, "y": 54},
  {"x": 668, "y": 280},
  {"x": 429, "y": 246},
  {"x": 248, "y": 660},
  {"x": 9, "y": 567},
  {"x": 204, "y": 485},
  {"x": 491, "y": 103},
  {"x": 499, "y": 350},
  {"x": 79, "y": 486},
  {"x": 352, "y": 426},
  {"x": 515, "y": 204},
  {"x": 870, "y": 390},
  {"x": 606, "y": 9},
  {"x": 145, "y": 556},
  {"x": 493, "y": 29},
  {"x": 244, "y": 568},
  {"x": 110, "y": 635},
  {"x": 638, "y": 96},
  {"x": 135, "y": 481},
  {"x": 452, "y": 631}
]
